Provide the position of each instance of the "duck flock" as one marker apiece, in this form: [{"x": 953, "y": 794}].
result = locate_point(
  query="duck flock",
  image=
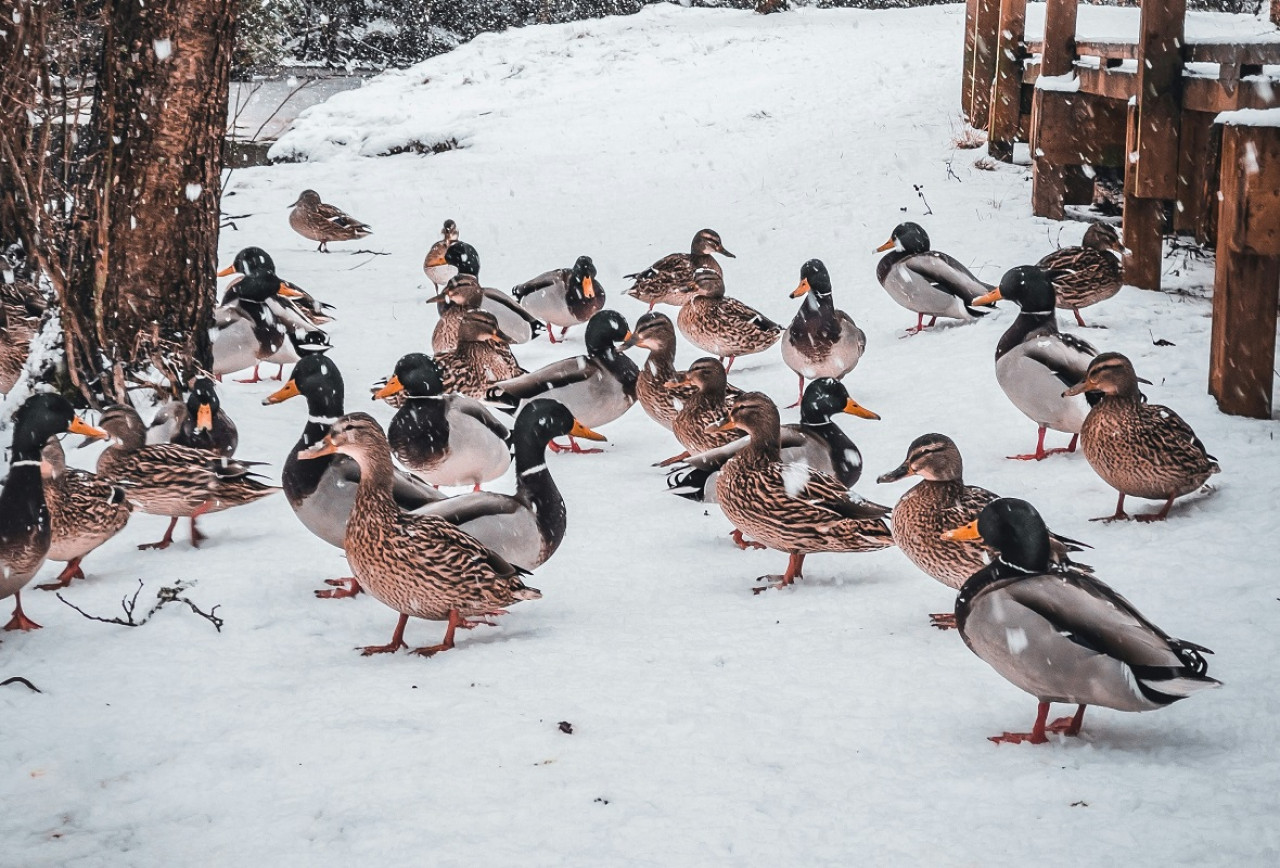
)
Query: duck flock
[{"x": 468, "y": 410}]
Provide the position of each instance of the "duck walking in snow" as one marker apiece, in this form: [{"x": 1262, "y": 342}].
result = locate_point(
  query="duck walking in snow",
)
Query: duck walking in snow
[
  {"x": 563, "y": 297},
  {"x": 1064, "y": 636},
  {"x": 317, "y": 221},
  {"x": 1089, "y": 273},
  {"x": 1139, "y": 449},
  {"x": 925, "y": 281},
  {"x": 84, "y": 513},
  {"x": 821, "y": 340},
  {"x": 719, "y": 324},
  {"x": 670, "y": 279}
]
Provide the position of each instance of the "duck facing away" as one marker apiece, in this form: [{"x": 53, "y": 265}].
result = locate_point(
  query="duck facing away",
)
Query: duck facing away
[
  {"x": 1064, "y": 636},
  {"x": 942, "y": 501},
  {"x": 821, "y": 340},
  {"x": 670, "y": 279},
  {"x": 25, "y": 533},
  {"x": 419, "y": 565},
  {"x": 1088, "y": 274},
  {"x": 434, "y": 266},
  {"x": 83, "y": 513},
  {"x": 1035, "y": 362},
  {"x": 722, "y": 325},
  {"x": 927, "y": 282},
  {"x": 563, "y": 297},
  {"x": 790, "y": 508},
  {"x": 1139, "y": 449},
  {"x": 199, "y": 421},
  {"x": 317, "y": 221}
]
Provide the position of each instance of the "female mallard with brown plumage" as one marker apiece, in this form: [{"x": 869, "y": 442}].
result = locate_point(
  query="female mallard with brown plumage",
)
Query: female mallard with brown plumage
[
  {"x": 790, "y": 507},
  {"x": 21, "y": 307},
  {"x": 722, "y": 325},
  {"x": 563, "y": 297},
  {"x": 940, "y": 502},
  {"x": 83, "y": 513},
  {"x": 318, "y": 221},
  {"x": 171, "y": 480},
  {"x": 1088, "y": 274},
  {"x": 464, "y": 293},
  {"x": 669, "y": 280},
  {"x": 705, "y": 403},
  {"x": 1139, "y": 449},
  {"x": 437, "y": 270},
  {"x": 656, "y": 333},
  {"x": 483, "y": 356},
  {"x": 420, "y": 565},
  {"x": 821, "y": 340}
]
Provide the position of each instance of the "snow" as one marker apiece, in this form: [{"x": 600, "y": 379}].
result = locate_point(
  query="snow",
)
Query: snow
[
  {"x": 1115, "y": 24},
  {"x": 1250, "y": 118},
  {"x": 823, "y": 725}
]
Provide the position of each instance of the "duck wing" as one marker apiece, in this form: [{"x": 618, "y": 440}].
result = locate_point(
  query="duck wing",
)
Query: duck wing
[
  {"x": 676, "y": 264},
  {"x": 947, "y": 275},
  {"x": 824, "y": 491},
  {"x": 338, "y": 217},
  {"x": 1066, "y": 356},
  {"x": 547, "y": 280},
  {"x": 478, "y": 411},
  {"x": 562, "y": 373},
  {"x": 506, "y": 302},
  {"x": 468, "y": 507}
]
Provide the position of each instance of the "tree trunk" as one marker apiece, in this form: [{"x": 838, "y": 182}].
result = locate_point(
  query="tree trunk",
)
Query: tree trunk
[{"x": 24, "y": 25}]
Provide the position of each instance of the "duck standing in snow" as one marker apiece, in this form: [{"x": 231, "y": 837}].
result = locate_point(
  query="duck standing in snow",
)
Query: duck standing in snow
[
  {"x": 670, "y": 279},
  {"x": 483, "y": 357},
  {"x": 199, "y": 421},
  {"x": 464, "y": 293},
  {"x": 84, "y": 513},
  {"x": 821, "y": 340},
  {"x": 518, "y": 324},
  {"x": 719, "y": 324},
  {"x": 563, "y": 297},
  {"x": 1035, "y": 362},
  {"x": 707, "y": 402},
  {"x": 434, "y": 266},
  {"x": 419, "y": 565},
  {"x": 656, "y": 333},
  {"x": 1089, "y": 273},
  {"x": 247, "y": 330},
  {"x": 25, "y": 533},
  {"x": 317, "y": 221},
  {"x": 1139, "y": 449},
  {"x": 1063, "y": 635},
  {"x": 925, "y": 281},
  {"x": 296, "y": 306}
]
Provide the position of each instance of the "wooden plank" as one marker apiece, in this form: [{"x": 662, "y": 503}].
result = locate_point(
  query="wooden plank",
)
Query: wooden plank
[
  {"x": 1243, "y": 333},
  {"x": 1057, "y": 52},
  {"x": 1116, "y": 84},
  {"x": 1190, "y": 208},
  {"x": 1153, "y": 166},
  {"x": 1248, "y": 53},
  {"x": 1275, "y": 12},
  {"x": 1078, "y": 129},
  {"x": 1256, "y": 169},
  {"x": 1006, "y": 89},
  {"x": 1209, "y": 95},
  {"x": 1142, "y": 222},
  {"x": 982, "y": 19}
]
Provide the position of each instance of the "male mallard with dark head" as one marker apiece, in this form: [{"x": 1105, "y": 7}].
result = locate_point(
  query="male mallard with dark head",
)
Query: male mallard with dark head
[
  {"x": 199, "y": 421},
  {"x": 1139, "y": 449},
  {"x": 1088, "y": 274},
  {"x": 928, "y": 282},
  {"x": 248, "y": 329},
  {"x": 821, "y": 340},
  {"x": 297, "y": 306},
  {"x": 317, "y": 221},
  {"x": 1064, "y": 636},
  {"x": 722, "y": 325},
  {"x": 563, "y": 297},
  {"x": 670, "y": 279},
  {"x": 83, "y": 513},
  {"x": 437, "y": 270}
]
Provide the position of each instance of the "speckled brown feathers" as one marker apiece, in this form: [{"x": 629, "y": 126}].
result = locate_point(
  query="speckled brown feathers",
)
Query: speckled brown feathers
[
  {"x": 482, "y": 358},
  {"x": 670, "y": 279},
  {"x": 707, "y": 403},
  {"x": 722, "y": 325},
  {"x": 1087, "y": 274},
  {"x": 318, "y": 221},
  {"x": 84, "y": 512}
]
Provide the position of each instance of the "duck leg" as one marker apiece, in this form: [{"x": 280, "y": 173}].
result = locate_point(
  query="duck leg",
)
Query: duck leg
[
  {"x": 255, "y": 378},
  {"x": 1036, "y": 736},
  {"x": 1120, "y": 514},
  {"x": 347, "y": 587},
  {"x": 279, "y": 373},
  {"x": 1068, "y": 725},
  {"x": 1079, "y": 319},
  {"x": 1157, "y": 516},
  {"x": 745, "y": 544},
  {"x": 196, "y": 536},
  {"x": 69, "y": 573},
  {"x": 551, "y": 334},
  {"x": 1041, "y": 453},
  {"x": 728, "y": 366},
  {"x": 943, "y": 621},
  {"x": 455, "y": 621},
  {"x": 800, "y": 396},
  {"x": 794, "y": 564},
  {"x": 667, "y": 462},
  {"x": 920, "y": 324},
  {"x": 564, "y": 331},
  {"x": 324, "y": 247},
  {"x": 20, "y": 621},
  {"x": 396, "y": 643},
  {"x": 166, "y": 541}
]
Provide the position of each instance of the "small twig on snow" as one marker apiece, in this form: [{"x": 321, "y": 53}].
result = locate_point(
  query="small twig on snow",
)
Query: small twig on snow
[
  {"x": 18, "y": 679},
  {"x": 920, "y": 192},
  {"x": 163, "y": 596}
]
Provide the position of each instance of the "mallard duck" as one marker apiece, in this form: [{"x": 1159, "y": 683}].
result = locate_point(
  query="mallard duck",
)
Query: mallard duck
[
  {"x": 527, "y": 527},
  {"x": 707, "y": 402},
  {"x": 199, "y": 421},
  {"x": 247, "y": 330},
  {"x": 563, "y": 297},
  {"x": 816, "y": 441},
  {"x": 314, "y": 220},
  {"x": 821, "y": 341},
  {"x": 940, "y": 502},
  {"x": 1034, "y": 361},
  {"x": 1088, "y": 274},
  {"x": 656, "y": 333},
  {"x": 1064, "y": 636},
  {"x": 83, "y": 513},
  {"x": 21, "y": 307},
  {"x": 445, "y": 438},
  {"x": 322, "y": 491},
  {"x": 597, "y": 388},
  {"x": 516, "y": 322},
  {"x": 172, "y": 480},
  {"x": 420, "y": 565},
  {"x": 670, "y": 279},
  {"x": 1139, "y": 449},
  {"x": 297, "y": 307},
  {"x": 722, "y": 325},
  {"x": 25, "y": 533},
  {"x": 926, "y": 281},
  {"x": 464, "y": 293},
  {"x": 434, "y": 266},
  {"x": 790, "y": 507},
  {"x": 483, "y": 357},
  {"x": 298, "y": 344}
]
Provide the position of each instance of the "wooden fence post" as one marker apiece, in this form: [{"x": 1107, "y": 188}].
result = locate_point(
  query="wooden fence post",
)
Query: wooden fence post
[
  {"x": 1006, "y": 89},
  {"x": 981, "y": 21}
]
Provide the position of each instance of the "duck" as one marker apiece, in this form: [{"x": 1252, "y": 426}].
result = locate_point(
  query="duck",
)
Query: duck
[
  {"x": 940, "y": 502},
  {"x": 247, "y": 330},
  {"x": 1139, "y": 449},
  {"x": 816, "y": 441},
  {"x": 789, "y": 507},
  {"x": 597, "y": 387},
  {"x": 517, "y": 323},
  {"x": 296, "y": 306},
  {"x": 563, "y": 297},
  {"x": 172, "y": 480},
  {"x": 464, "y": 293},
  {"x": 669, "y": 280},
  {"x": 706, "y": 403},
  {"x": 1089, "y": 273},
  {"x": 716, "y": 323},
  {"x": 22, "y": 306},
  {"x": 322, "y": 491},
  {"x": 434, "y": 266},
  {"x": 926, "y": 281},
  {"x": 821, "y": 340},
  {"x": 421, "y": 566},
  {"x": 83, "y": 513},
  {"x": 298, "y": 343},
  {"x": 527, "y": 527},
  {"x": 317, "y": 221},
  {"x": 25, "y": 530},
  {"x": 1034, "y": 361},
  {"x": 445, "y": 438},
  {"x": 483, "y": 357},
  {"x": 199, "y": 421},
  {"x": 656, "y": 333},
  {"x": 1064, "y": 636}
]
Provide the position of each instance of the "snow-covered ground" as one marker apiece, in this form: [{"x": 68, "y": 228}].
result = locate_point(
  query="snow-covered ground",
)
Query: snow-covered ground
[{"x": 824, "y": 725}]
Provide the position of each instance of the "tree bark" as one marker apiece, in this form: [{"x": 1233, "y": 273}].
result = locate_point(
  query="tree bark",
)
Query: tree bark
[{"x": 24, "y": 24}]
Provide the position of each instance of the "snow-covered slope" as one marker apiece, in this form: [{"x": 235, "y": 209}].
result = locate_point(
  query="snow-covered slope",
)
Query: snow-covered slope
[{"x": 825, "y": 725}]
